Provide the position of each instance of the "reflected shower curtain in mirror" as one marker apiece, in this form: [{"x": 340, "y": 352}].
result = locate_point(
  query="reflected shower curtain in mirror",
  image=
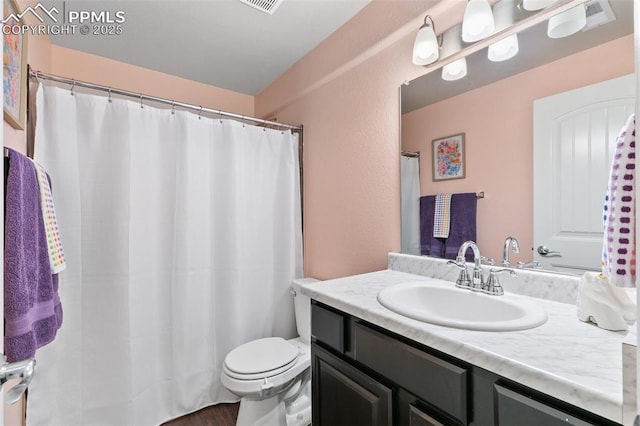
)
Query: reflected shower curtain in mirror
[
  {"x": 182, "y": 236},
  {"x": 410, "y": 199}
]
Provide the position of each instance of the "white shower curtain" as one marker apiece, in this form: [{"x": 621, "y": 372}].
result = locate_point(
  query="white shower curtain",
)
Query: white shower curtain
[
  {"x": 410, "y": 208},
  {"x": 182, "y": 235}
]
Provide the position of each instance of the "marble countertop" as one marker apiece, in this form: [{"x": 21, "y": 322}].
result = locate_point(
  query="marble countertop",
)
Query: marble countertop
[{"x": 570, "y": 360}]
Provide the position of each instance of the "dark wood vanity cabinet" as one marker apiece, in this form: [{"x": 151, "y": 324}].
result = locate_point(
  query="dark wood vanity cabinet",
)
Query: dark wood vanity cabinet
[
  {"x": 365, "y": 375},
  {"x": 346, "y": 395}
]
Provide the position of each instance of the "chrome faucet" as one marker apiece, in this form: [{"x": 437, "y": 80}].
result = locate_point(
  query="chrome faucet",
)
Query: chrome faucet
[
  {"x": 515, "y": 248},
  {"x": 477, "y": 283},
  {"x": 463, "y": 281}
]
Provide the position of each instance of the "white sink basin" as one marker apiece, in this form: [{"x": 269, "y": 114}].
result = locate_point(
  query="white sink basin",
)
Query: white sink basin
[{"x": 440, "y": 302}]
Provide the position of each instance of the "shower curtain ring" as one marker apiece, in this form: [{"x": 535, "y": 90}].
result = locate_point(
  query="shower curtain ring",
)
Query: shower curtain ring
[
  {"x": 242, "y": 121},
  {"x": 173, "y": 108},
  {"x": 73, "y": 85},
  {"x": 109, "y": 99},
  {"x": 200, "y": 113},
  {"x": 141, "y": 104},
  {"x": 220, "y": 115}
]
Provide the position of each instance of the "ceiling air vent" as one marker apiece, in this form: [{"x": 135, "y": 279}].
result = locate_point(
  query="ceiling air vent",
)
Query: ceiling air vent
[
  {"x": 599, "y": 12},
  {"x": 266, "y": 6}
]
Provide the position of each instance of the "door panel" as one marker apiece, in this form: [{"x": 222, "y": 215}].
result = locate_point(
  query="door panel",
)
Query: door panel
[
  {"x": 573, "y": 141},
  {"x": 345, "y": 396}
]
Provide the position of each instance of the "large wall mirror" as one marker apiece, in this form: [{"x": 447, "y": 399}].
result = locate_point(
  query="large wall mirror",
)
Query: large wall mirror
[{"x": 546, "y": 192}]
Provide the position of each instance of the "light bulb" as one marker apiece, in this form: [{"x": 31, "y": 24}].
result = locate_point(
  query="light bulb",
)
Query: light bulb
[
  {"x": 568, "y": 22},
  {"x": 478, "y": 21},
  {"x": 425, "y": 48},
  {"x": 455, "y": 70},
  {"x": 504, "y": 49},
  {"x": 536, "y": 4}
]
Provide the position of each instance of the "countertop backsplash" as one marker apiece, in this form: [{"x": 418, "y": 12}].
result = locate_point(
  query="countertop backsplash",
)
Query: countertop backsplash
[{"x": 543, "y": 285}]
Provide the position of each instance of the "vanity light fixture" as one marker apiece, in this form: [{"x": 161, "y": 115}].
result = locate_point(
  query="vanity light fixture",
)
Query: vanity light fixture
[
  {"x": 568, "y": 22},
  {"x": 504, "y": 49},
  {"x": 425, "y": 48},
  {"x": 451, "y": 44},
  {"x": 507, "y": 47},
  {"x": 455, "y": 70},
  {"x": 477, "y": 22},
  {"x": 536, "y": 4}
]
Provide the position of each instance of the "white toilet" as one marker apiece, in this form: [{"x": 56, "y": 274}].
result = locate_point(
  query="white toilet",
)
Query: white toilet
[{"x": 273, "y": 375}]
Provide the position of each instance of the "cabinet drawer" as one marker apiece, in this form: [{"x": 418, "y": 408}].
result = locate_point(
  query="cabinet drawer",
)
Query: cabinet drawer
[
  {"x": 437, "y": 382},
  {"x": 514, "y": 408},
  {"x": 327, "y": 327}
]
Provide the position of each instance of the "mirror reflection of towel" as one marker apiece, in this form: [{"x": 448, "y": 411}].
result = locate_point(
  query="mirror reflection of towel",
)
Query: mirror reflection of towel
[
  {"x": 442, "y": 216},
  {"x": 429, "y": 245},
  {"x": 462, "y": 226}
]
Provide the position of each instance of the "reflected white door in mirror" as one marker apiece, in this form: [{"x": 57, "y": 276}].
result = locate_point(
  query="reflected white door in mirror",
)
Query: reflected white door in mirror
[{"x": 574, "y": 139}]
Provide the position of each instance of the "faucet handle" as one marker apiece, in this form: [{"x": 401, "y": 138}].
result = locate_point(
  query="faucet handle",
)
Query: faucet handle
[
  {"x": 532, "y": 264},
  {"x": 463, "y": 280},
  {"x": 457, "y": 263},
  {"x": 493, "y": 286},
  {"x": 487, "y": 261}
]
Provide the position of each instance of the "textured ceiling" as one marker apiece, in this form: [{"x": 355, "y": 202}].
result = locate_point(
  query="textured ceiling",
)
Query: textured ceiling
[{"x": 223, "y": 43}]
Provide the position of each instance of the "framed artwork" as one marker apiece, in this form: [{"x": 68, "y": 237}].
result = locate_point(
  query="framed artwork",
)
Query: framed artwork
[
  {"x": 14, "y": 69},
  {"x": 448, "y": 158}
]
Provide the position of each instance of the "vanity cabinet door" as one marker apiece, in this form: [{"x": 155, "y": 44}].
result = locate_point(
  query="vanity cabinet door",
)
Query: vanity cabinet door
[
  {"x": 343, "y": 395},
  {"x": 514, "y": 408},
  {"x": 418, "y": 417},
  {"x": 414, "y": 412}
]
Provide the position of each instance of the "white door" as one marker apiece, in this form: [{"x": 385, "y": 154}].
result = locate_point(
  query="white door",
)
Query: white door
[{"x": 574, "y": 136}]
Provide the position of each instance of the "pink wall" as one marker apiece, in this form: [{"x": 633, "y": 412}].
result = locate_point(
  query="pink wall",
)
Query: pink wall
[
  {"x": 346, "y": 94},
  {"x": 498, "y": 124},
  {"x": 39, "y": 56},
  {"x": 96, "y": 69},
  {"x": 48, "y": 58}
]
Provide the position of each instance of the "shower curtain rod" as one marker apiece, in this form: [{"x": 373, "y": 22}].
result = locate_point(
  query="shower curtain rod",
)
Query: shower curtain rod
[{"x": 142, "y": 97}]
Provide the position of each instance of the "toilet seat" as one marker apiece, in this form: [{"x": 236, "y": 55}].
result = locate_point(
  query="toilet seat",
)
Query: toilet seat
[{"x": 276, "y": 356}]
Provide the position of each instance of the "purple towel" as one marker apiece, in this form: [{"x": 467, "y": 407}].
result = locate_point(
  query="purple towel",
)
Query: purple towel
[
  {"x": 463, "y": 224},
  {"x": 429, "y": 245},
  {"x": 32, "y": 309}
]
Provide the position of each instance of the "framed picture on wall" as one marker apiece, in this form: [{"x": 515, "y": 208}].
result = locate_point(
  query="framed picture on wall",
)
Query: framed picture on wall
[
  {"x": 14, "y": 67},
  {"x": 448, "y": 157}
]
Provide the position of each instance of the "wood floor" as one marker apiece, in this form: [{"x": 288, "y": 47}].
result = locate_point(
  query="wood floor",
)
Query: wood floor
[{"x": 216, "y": 415}]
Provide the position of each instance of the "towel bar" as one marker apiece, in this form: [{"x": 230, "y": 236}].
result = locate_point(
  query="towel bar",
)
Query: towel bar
[{"x": 22, "y": 370}]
